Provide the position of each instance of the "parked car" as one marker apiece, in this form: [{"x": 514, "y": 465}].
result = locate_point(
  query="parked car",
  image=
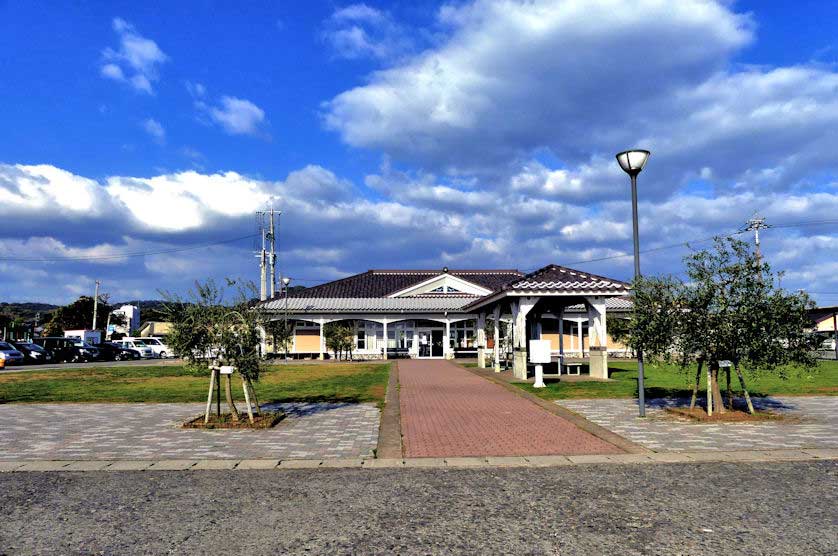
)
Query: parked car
[
  {"x": 110, "y": 351},
  {"x": 68, "y": 349},
  {"x": 157, "y": 345},
  {"x": 62, "y": 349},
  {"x": 10, "y": 355},
  {"x": 33, "y": 353},
  {"x": 138, "y": 345}
]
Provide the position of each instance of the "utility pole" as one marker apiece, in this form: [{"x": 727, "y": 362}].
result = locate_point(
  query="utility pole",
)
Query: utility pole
[
  {"x": 757, "y": 223},
  {"x": 272, "y": 236},
  {"x": 95, "y": 304},
  {"x": 263, "y": 278},
  {"x": 267, "y": 256}
]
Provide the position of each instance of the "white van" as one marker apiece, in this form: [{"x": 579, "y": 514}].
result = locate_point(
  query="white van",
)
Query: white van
[
  {"x": 159, "y": 348},
  {"x": 138, "y": 345}
]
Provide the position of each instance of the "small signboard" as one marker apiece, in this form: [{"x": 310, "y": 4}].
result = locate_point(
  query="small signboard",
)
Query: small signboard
[
  {"x": 725, "y": 363},
  {"x": 540, "y": 351},
  {"x": 227, "y": 369}
]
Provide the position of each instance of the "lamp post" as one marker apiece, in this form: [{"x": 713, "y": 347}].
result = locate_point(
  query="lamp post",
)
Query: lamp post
[
  {"x": 632, "y": 162},
  {"x": 285, "y": 282}
]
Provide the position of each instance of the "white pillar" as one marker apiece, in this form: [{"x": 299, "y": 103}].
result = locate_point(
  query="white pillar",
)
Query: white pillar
[
  {"x": 520, "y": 308},
  {"x": 322, "y": 342},
  {"x": 384, "y": 353},
  {"x": 415, "y": 346},
  {"x": 446, "y": 343},
  {"x": 579, "y": 337},
  {"x": 496, "y": 316},
  {"x": 598, "y": 347},
  {"x": 481, "y": 340}
]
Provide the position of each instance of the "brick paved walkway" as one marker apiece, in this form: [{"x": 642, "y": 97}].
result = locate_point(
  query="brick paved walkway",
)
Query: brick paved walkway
[
  {"x": 817, "y": 427},
  {"x": 447, "y": 411},
  {"x": 151, "y": 431}
]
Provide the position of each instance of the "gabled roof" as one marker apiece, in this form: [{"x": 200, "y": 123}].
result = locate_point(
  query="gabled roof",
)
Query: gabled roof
[
  {"x": 381, "y": 283},
  {"x": 565, "y": 280}
]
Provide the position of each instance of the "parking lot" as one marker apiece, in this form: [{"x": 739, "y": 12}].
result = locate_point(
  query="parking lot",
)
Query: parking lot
[{"x": 59, "y": 366}]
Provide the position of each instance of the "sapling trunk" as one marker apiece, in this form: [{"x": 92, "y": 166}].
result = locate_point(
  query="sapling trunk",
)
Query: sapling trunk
[
  {"x": 729, "y": 389},
  {"x": 228, "y": 392},
  {"x": 744, "y": 389},
  {"x": 717, "y": 394},
  {"x": 247, "y": 400},
  {"x": 697, "y": 383}
]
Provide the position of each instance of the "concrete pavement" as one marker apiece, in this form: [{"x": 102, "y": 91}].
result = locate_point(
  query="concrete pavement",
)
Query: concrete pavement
[{"x": 706, "y": 508}]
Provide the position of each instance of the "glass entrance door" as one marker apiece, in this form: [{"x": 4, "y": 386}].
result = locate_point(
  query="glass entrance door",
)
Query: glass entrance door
[{"x": 436, "y": 343}]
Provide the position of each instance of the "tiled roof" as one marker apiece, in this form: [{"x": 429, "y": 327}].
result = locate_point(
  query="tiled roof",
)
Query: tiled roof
[
  {"x": 566, "y": 280},
  {"x": 370, "y": 304},
  {"x": 417, "y": 304},
  {"x": 381, "y": 283}
]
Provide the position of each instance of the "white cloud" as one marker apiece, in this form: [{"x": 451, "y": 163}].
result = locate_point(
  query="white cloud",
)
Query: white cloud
[
  {"x": 360, "y": 31},
  {"x": 136, "y": 56},
  {"x": 155, "y": 129},
  {"x": 236, "y": 116}
]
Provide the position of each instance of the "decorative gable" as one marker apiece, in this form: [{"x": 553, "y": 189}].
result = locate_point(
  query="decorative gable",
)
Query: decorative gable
[{"x": 443, "y": 284}]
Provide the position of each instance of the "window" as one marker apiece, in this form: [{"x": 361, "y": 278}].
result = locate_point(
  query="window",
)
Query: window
[{"x": 362, "y": 340}]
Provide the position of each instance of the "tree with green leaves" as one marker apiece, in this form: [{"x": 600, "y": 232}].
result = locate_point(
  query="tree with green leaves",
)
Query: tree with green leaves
[
  {"x": 280, "y": 334},
  {"x": 728, "y": 312},
  {"x": 339, "y": 338},
  {"x": 78, "y": 315},
  {"x": 209, "y": 332}
]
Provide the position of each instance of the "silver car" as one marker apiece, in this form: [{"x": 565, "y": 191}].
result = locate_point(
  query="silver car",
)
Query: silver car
[
  {"x": 10, "y": 355},
  {"x": 138, "y": 345}
]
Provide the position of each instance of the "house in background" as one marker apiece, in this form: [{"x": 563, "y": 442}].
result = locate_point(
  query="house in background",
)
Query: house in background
[
  {"x": 443, "y": 314},
  {"x": 132, "y": 320},
  {"x": 154, "y": 328}
]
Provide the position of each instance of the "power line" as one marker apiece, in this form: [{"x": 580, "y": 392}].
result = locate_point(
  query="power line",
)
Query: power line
[{"x": 126, "y": 255}]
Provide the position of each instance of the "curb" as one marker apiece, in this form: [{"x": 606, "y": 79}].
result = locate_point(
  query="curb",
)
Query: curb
[
  {"x": 390, "y": 428},
  {"x": 495, "y": 462}
]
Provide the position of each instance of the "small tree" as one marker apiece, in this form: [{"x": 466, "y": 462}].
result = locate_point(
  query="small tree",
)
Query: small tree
[
  {"x": 728, "y": 310},
  {"x": 208, "y": 332},
  {"x": 339, "y": 338},
  {"x": 280, "y": 334}
]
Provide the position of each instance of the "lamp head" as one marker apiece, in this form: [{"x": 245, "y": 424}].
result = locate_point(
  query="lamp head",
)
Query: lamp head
[{"x": 632, "y": 162}]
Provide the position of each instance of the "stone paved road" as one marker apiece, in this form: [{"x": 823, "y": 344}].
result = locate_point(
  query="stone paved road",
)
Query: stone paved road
[
  {"x": 448, "y": 411},
  {"x": 818, "y": 426},
  {"x": 759, "y": 509},
  {"x": 151, "y": 431}
]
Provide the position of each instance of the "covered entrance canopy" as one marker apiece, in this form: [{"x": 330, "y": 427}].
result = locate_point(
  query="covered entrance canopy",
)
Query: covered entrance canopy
[{"x": 548, "y": 292}]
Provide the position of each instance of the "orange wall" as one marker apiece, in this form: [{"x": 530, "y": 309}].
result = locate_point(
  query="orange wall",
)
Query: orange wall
[{"x": 307, "y": 341}]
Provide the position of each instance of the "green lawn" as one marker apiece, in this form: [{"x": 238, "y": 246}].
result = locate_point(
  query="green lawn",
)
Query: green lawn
[
  {"x": 669, "y": 380},
  {"x": 334, "y": 382}
]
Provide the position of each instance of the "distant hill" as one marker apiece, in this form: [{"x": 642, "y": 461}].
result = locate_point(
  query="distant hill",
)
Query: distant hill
[{"x": 27, "y": 311}]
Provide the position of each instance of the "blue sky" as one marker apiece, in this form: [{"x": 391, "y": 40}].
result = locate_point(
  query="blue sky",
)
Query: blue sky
[{"x": 407, "y": 134}]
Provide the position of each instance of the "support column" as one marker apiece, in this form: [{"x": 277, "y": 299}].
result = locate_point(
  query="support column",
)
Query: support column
[
  {"x": 581, "y": 344},
  {"x": 481, "y": 340},
  {"x": 496, "y": 347},
  {"x": 520, "y": 308},
  {"x": 447, "y": 353},
  {"x": 560, "y": 362},
  {"x": 415, "y": 349},
  {"x": 322, "y": 342},
  {"x": 598, "y": 338},
  {"x": 386, "y": 339}
]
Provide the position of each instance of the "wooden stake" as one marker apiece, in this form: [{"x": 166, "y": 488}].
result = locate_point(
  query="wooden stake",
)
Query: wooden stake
[
  {"x": 744, "y": 389},
  {"x": 709, "y": 392},
  {"x": 697, "y": 383},
  {"x": 247, "y": 400},
  {"x": 209, "y": 396},
  {"x": 253, "y": 395}
]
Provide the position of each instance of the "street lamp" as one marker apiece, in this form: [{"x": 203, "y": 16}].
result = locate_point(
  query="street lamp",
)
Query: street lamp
[
  {"x": 632, "y": 162},
  {"x": 285, "y": 282}
]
